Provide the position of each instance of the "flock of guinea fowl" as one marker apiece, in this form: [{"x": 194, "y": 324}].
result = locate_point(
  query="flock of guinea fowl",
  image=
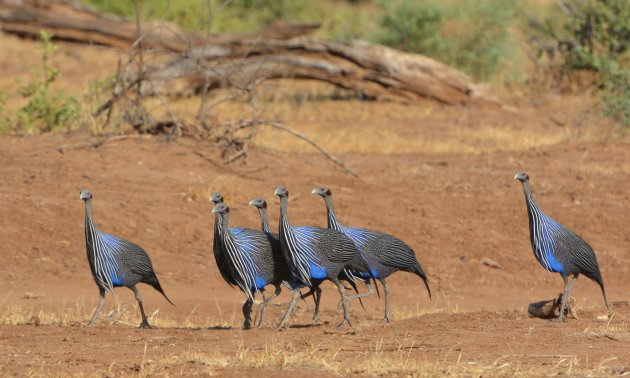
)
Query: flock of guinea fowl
[{"x": 302, "y": 257}]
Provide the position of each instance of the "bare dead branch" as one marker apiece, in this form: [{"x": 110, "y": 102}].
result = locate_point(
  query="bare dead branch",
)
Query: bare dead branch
[
  {"x": 221, "y": 165},
  {"x": 100, "y": 142},
  {"x": 328, "y": 155}
]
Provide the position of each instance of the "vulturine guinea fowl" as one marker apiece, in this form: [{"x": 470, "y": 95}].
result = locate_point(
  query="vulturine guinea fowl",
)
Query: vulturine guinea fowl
[
  {"x": 294, "y": 283},
  {"x": 384, "y": 253},
  {"x": 558, "y": 249},
  {"x": 315, "y": 254},
  {"x": 252, "y": 262},
  {"x": 116, "y": 262}
]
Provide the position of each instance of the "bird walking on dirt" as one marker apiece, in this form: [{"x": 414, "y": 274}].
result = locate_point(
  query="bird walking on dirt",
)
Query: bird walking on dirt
[
  {"x": 116, "y": 262},
  {"x": 384, "y": 253},
  {"x": 251, "y": 259},
  {"x": 293, "y": 283},
  {"x": 222, "y": 264},
  {"x": 559, "y": 249},
  {"x": 315, "y": 254}
]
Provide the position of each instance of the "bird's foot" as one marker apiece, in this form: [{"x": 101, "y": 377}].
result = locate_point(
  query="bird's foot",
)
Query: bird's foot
[
  {"x": 90, "y": 324},
  {"x": 144, "y": 324},
  {"x": 385, "y": 320},
  {"x": 316, "y": 319},
  {"x": 247, "y": 325},
  {"x": 345, "y": 322},
  {"x": 559, "y": 319}
]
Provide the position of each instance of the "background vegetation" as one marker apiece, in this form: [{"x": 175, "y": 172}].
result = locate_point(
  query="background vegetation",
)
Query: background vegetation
[{"x": 577, "y": 45}]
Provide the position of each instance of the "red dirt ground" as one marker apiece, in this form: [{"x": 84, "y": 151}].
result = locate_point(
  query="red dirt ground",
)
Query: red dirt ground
[{"x": 454, "y": 208}]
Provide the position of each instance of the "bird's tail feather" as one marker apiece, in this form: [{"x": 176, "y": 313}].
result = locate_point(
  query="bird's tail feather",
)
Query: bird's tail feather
[
  {"x": 597, "y": 277},
  {"x": 153, "y": 281},
  {"x": 372, "y": 277},
  {"x": 600, "y": 282},
  {"x": 418, "y": 270}
]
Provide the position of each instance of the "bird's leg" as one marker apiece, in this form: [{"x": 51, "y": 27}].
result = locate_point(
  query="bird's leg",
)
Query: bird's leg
[
  {"x": 285, "y": 318},
  {"x": 344, "y": 301},
  {"x": 145, "y": 321},
  {"x": 358, "y": 295},
  {"x": 101, "y": 302},
  {"x": 247, "y": 312},
  {"x": 317, "y": 297},
  {"x": 565, "y": 297},
  {"x": 569, "y": 288},
  {"x": 364, "y": 294},
  {"x": 386, "y": 288},
  {"x": 310, "y": 292},
  {"x": 261, "y": 307},
  {"x": 316, "y": 292},
  {"x": 261, "y": 322}
]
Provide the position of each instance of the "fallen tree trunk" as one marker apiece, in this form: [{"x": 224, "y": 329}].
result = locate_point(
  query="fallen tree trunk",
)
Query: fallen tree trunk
[
  {"x": 202, "y": 63},
  {"x": 371, "y": 70},
  {"x": 73, "y": 21}
]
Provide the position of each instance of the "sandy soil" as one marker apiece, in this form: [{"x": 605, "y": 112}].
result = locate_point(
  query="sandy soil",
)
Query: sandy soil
[{"x": 455, "y": 206}]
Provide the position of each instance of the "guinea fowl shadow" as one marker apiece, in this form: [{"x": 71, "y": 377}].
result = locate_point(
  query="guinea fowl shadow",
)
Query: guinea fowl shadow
[{"x": 300, "y": 326}]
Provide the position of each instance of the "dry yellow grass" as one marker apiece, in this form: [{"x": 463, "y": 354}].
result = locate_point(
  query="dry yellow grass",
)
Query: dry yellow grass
[
  {"x": 367, "y": 360},
  {"x": 116, "y": 314}
]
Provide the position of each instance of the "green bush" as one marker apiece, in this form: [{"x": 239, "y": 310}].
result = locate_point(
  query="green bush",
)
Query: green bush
[
  {"x": 4, "y": 118},
  {"x": 470, "y": 35},
  {"x": 616, "y": 97},
  {"x": 597, "y": 34},
  {"x": 594, "y": 35},
  {"x": 216, "y": 16},
  {"x": 46, "y": 111}
]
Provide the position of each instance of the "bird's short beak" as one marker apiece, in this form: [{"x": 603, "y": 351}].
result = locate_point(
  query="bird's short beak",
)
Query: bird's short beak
[
  {"x": 276, "y": 192},
  {"x": 251, "y": 202},
  {"x": 214, "y": 210},
  {"x": 314, "y": 191},
  {"x": 516, "y": 176}
]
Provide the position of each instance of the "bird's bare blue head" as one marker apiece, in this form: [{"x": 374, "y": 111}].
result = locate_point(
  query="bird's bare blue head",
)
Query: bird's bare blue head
[
  {"x": 221, "y": 208},
  {"x": 522, "y": 177},
  {"x": 259, "y": 202},
  {"x": 216, "y": 197},
  {"x": 281, "y": 191},
  {"x": 322, "y": 191},
  {"x": 86, "y": 195}
]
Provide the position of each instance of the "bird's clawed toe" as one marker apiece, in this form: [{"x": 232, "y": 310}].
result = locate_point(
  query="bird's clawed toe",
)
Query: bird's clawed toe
[
  {"x": 145, "y": 324},
  {"x": 344, "y": 323}
]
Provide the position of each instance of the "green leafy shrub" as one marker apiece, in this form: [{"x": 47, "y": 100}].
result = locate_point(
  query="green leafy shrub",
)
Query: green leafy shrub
[
  {"x": 470, "y": 35},
  {"x": 594, "y": 36},
  {"x": 616, "y": 97},
  {"x": 597, "y": 33},
  {"x": 46, "y": 110},
  {"x": 216, "y": 16},
  {"x": 4, "y": 118}
]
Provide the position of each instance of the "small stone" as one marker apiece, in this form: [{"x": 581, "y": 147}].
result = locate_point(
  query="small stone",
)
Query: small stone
[{"x": 490, "y": 262}]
